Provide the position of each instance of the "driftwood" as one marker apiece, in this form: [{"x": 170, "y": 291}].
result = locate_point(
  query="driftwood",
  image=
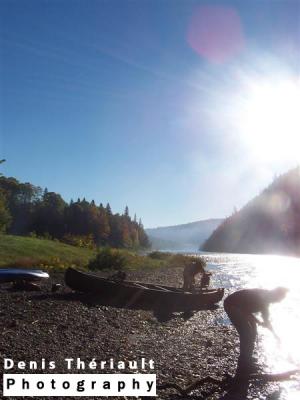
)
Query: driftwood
[{"x": 228, "y": 382}]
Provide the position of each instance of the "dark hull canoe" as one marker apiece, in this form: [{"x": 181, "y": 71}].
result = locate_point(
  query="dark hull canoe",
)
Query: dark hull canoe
[
  {"x": 145, "y": 295},
  {"x": 18, "y": 274}
]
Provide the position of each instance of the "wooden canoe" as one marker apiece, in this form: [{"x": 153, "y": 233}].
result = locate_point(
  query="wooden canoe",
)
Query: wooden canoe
[{"x": 129, "y": 293}]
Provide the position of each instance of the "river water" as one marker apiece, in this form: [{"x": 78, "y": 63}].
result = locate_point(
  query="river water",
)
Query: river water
[{"x": 235, "y": 272}]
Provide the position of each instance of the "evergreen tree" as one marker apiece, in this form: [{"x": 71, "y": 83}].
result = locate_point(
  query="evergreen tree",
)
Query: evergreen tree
[
  {"x": 49, "y": 216},
  {"x": 5, "y": 217},
  {"x": 108, "y": 209},
  {"x": 104, "y": 230},
  {"x": 126, "y": 212}
]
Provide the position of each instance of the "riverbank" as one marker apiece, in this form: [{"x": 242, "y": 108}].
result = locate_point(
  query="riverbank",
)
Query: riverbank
[
  {"x": 52, "y": 255},
  {"x": 31, "y": 252},
  {"x": 61, "y": 325}
]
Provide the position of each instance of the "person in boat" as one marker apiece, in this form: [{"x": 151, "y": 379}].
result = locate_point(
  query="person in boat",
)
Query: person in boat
[
  {"x": 205, "y": 280},
  {"x": 189, "y": 273},
  {"x": 240, "y": 307}
]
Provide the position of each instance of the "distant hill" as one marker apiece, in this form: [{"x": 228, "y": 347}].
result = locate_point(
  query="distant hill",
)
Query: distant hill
[
  {"x": 187, "y": 237},
  {"x": 268, "y": 224}
]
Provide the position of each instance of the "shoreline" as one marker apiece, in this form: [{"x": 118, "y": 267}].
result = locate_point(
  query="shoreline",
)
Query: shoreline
[{"x": 61, "y": 325}]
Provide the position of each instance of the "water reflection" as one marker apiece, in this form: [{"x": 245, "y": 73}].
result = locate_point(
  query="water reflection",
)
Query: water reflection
[{"x": 248, "y": 271}]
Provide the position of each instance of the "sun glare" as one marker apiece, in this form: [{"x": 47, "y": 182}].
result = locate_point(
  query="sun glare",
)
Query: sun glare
[{"x": 269, "y": 118}]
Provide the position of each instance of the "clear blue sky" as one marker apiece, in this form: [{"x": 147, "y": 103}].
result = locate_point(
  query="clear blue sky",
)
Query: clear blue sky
[{"x": 139, "y": 102}]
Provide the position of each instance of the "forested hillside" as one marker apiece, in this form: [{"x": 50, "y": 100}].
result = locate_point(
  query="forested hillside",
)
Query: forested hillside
[
  {"x": 27, "y": 209},
  {"x": 270, "y": 223}
]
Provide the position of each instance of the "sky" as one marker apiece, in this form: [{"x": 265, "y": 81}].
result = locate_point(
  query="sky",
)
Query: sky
[{"x": 182, "y": 110}]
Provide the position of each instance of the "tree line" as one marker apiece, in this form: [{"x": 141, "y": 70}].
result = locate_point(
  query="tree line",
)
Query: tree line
[
  {"x": 26, "y": 209},
  {"x": 268, "y": 224}
]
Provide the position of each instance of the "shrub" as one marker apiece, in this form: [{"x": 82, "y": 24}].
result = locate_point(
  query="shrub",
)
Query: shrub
[
  {"x": 33, "y": 235},
  {"x": 159, "y": 255},
  {"x": 84, "y": 241},
  {"x": 108, "y": 259},
  {"x": 33, "y": 263},
  {"x": 25, "y": 262}
]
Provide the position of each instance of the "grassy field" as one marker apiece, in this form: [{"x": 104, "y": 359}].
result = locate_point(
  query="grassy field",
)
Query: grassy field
[
  {"x": 26, "y": 252},
  {"x": 19, "y": 251}
]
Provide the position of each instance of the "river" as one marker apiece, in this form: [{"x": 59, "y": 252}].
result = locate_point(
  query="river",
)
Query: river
[{"x": 234, "y": 272}]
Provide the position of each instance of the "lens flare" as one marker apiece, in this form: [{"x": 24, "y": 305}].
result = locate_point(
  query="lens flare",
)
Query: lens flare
[{"x": 215, "y": 33}]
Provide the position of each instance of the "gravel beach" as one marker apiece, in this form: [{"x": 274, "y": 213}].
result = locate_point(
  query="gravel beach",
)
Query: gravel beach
[{"x": 56, "y": 326}]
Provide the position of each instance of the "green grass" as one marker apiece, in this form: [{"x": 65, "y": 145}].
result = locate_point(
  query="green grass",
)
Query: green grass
[
  {"x": 20, "y": 251},
  {"x": 27, "y": 252}
]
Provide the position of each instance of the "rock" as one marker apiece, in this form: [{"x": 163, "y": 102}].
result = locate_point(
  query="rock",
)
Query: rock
[{"x": 55, "y": 287}]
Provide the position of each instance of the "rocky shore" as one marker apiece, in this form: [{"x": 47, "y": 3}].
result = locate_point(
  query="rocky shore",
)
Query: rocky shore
[{"x": 64, "y": 325}]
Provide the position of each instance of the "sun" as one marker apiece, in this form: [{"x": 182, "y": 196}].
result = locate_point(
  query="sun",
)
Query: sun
[{"x": 269, "y": 118}]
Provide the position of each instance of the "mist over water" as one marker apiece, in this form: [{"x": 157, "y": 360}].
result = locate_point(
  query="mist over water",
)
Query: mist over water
[{"x": 234, "y": 272}]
